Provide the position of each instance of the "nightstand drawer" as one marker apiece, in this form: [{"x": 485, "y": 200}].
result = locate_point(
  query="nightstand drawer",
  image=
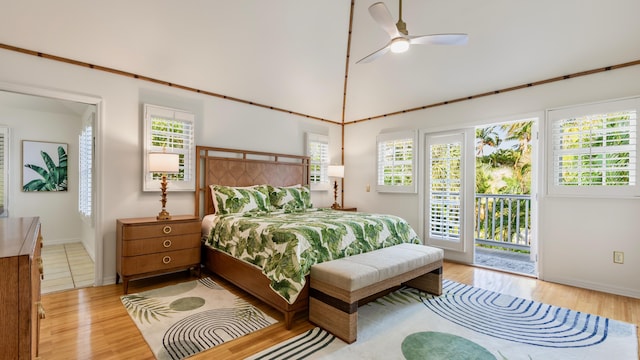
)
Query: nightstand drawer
[
  {"x": 148, "y": 246},
  {"x": 159, "y": 244},
  {"x": 160, "y": 261},
  {"x": 156, "y": 230}
]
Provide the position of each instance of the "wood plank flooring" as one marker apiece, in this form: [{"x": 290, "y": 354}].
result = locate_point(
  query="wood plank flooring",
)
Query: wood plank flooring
[{"x": 91, "y": 323}]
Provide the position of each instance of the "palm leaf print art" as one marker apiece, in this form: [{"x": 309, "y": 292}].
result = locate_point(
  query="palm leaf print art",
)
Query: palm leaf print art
[{"x": 53, "y": 178}]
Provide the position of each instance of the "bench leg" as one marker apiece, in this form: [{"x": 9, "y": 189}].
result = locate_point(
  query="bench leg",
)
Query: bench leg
[
  {"x": 430, "y": 282},
  {"x": 343, "y": 324}
]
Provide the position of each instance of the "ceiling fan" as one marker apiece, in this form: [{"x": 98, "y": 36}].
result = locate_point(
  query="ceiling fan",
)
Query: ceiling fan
[{"x": 400, "y": 38}]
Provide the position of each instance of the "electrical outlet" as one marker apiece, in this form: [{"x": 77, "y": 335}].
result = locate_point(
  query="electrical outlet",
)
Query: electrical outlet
[{"x": 618, "y": 257}]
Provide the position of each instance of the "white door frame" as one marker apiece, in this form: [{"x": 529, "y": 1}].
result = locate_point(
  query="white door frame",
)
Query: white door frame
[
  {"x": 90, "y": 100},
  {"x": 465, "y": 252}
]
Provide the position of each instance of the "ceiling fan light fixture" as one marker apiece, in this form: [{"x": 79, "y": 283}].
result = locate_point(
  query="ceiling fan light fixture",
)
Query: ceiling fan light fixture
[{"x": 399, "y": 45}]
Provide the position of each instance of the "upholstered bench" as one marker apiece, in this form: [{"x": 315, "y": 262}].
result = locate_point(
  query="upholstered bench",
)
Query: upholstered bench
[{"x": 337, "y": 285}]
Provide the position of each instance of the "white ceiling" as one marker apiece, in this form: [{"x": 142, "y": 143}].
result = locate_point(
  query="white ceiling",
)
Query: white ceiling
[{"x": 292, "y": 54}]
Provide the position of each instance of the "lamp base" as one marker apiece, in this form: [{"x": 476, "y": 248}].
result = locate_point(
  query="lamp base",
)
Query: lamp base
[
  {"x": 336, "y": 206},
  {"x": 163, "y": 215}
]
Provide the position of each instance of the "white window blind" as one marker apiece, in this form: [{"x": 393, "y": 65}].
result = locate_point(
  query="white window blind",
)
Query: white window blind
[
  {"x": 85, "y": 140},
  {"x": 170, "y": 130},
  {"x": 396, "y": 162},
  {"x": 4, "y": 155},
  {"x": 318, "y": 152},
  {"x": 445, "y": 190},
  {"x": 594, "y": 149}
]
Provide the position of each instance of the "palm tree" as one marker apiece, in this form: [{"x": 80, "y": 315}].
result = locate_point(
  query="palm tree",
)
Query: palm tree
[
  {"x": 486, "y": 136},
  {"x": 520, "y": 131}
]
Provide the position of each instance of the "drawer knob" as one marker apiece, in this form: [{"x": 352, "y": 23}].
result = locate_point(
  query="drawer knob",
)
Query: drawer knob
[
  {"x": 166, "y": 259},
  {"x": 166, "y": 243},
  {"x": 41, "y": 268},
  {"x": 166, "y": 229},
  {"x": 41, "y": 313}
]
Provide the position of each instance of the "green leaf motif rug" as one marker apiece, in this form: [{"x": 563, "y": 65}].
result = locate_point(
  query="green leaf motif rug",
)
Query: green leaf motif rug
[{"x": 181, "y": 320}]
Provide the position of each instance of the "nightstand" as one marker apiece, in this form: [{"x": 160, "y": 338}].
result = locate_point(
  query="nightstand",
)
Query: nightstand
[
  {"x": 347, "y": 209},
  {"x": 147, "y": 246}
]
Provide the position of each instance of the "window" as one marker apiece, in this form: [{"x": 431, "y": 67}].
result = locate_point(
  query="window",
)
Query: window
[
  {"x": 318, "y": 152},
  {"x": 85, "y": 141},
  {"x": 170, "y": 130},
  {"x": 4, "y": 171},
  {"x": 396, "y": 162},
  {"x": 594, "y": 149}
]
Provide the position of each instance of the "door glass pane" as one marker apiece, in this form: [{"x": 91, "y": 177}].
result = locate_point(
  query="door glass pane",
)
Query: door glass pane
[{"x": 444, "y": 192}]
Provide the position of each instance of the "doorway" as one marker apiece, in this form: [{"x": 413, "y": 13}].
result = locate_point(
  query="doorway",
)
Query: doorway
[
  {"x": 503, "y": 203},
  {"x": 478, "y": 203},
  {"x": 46, "y": 115}
]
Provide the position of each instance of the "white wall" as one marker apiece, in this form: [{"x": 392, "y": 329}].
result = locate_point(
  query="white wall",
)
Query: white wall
[
  {"x": 577, "y": 236},
  {"x": 576, "y": 246},
  {"x": 58, "y": 211},
  {"x": 219, "y": 123}
]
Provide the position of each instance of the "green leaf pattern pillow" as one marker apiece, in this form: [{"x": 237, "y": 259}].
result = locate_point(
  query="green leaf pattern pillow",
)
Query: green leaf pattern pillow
[
  {"x": 290, "y": 198},
  {"x": 230, "y": 199}
]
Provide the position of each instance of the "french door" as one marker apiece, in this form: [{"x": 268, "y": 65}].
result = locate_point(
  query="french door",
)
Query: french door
[{"x": 448, "y": 192}]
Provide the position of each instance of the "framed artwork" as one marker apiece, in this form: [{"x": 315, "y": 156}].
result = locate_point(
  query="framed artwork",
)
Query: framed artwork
[{"x": 44, "y": 166}]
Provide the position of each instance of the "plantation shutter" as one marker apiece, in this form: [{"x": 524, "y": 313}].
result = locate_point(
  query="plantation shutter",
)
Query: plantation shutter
[
  {"x": 318, "y": 152},
  {"x": 594, "y": 149},
  {"x": 396, "y": 162},
  {"x": 3, "y": 170},
  {"x": 85, "y": 140},
  {"x": 448, "y": 186},
  {"x": 445, "y": 199},
  {"x": 170, "y": 130}
]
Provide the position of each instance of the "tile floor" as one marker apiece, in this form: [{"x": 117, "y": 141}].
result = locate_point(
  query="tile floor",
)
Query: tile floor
[{"x": 66, "y": 266}]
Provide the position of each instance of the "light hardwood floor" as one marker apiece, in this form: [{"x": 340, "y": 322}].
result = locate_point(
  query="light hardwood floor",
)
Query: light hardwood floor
[{"x": 91, "y": 323}]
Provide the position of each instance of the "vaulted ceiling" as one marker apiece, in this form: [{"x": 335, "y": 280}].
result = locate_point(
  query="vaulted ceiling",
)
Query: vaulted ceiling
[{"x": 296, "y": 54}]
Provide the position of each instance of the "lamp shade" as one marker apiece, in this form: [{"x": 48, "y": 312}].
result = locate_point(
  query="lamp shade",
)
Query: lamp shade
[
  {"x": 336, "y": 171},
  {"x": 162, "y": 162}
]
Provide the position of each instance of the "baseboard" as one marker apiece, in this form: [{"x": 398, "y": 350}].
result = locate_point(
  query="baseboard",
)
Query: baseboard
[
  {"x": 595, "y": 286},
  {"x": 90, "y": 250},
  {"x": 47, "y": 241},
  {"x": 109, "y": 280}
]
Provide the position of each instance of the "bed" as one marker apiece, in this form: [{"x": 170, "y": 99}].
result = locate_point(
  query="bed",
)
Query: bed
[{"x": 266, "y": 242}]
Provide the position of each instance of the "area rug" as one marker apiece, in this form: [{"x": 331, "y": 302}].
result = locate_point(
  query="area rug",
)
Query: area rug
[
  {"x": 466, "y": 323},
  {"x": 181, "y": 320}
]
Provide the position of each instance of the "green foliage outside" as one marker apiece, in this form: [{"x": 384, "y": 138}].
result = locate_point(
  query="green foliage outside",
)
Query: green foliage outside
[
  {"x": 503, "y": 170},
  {"x": 397, "y": 159},
  {"x": 609, "y": 141},
  {"x": 163, "y": 132}
]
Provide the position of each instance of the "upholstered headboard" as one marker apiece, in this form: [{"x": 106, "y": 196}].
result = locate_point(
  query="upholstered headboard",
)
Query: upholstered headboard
[{"x": 232, "y": 167}]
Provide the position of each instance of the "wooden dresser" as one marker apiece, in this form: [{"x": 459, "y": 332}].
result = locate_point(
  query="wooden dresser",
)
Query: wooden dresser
[
  {"x": 146, "y": 246},
  {"x": 20, "y": 275}
]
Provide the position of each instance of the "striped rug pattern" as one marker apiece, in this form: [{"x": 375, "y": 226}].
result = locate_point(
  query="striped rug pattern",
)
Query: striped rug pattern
[
  {"x": 516, "y": 319},
  {"x": 181, "y": 320},
  {"x": 409, "y": 324},
  {"x": 300, "y": 347}
]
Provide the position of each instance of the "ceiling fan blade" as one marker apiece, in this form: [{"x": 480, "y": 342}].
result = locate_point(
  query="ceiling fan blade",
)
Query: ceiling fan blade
[
  {"x": 440, "y": 39},
  {"x": 382, "y": 16},
  {"x": 374, "y": 55}
]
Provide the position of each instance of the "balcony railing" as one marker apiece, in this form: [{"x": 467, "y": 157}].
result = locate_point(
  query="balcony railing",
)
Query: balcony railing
[{"x": 503, "y": 220}]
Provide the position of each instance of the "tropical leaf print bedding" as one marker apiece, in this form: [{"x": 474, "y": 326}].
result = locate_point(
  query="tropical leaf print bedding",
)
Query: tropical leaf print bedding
[{"x": 285, "y": 246}]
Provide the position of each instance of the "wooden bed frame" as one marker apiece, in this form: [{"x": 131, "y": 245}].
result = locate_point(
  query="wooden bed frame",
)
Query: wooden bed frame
[{"x": 233, "y": 167}]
